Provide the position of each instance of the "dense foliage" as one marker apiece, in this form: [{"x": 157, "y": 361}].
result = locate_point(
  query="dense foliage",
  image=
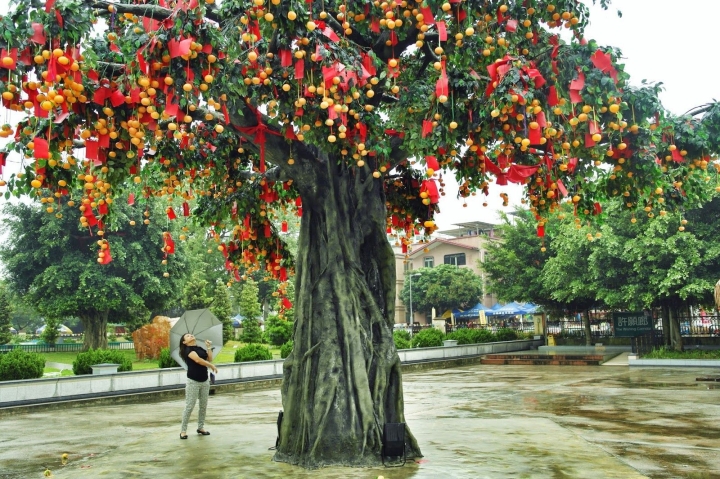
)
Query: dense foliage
[
  {"x": 472, "y": 336},
  {"x": 278, "y": 331},
  {"x": 84, "y": 361},
  {"x": 428, "y": 338},
  {"x": 222, "y": 309},
  {"x": 165, "y": 360},
  {"x": 51, "y": 260},
  {"x": 253, "y": 352},
  {"x": 286, "y": 349},
  {"x": 18, "y": 364},
  {"x": 442, "y": 287},
  {"x": 402, "y": 341},
  {"x": 6, "y": 311}
]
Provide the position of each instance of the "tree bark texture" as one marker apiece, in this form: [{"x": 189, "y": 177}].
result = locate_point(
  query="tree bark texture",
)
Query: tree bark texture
[
  {"x": 588, "y": 330},
  {"x": 676, "y": 334},
  {"x": 342, "y": 382},
  {"x": 95, "y": 335}
]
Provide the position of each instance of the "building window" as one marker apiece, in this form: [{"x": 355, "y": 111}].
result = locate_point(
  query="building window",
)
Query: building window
[
  {"x": 429, "y": 262},
  {"x": 455, "y": 259},
  {"x": 407, "y": 266}
]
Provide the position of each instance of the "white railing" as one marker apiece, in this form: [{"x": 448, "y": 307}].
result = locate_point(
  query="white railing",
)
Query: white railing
[{"x": 49, "y": 389}]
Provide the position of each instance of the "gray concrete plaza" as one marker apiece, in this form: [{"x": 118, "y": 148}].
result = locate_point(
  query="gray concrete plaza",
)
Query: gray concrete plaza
[{"x": 476, "y": 421}]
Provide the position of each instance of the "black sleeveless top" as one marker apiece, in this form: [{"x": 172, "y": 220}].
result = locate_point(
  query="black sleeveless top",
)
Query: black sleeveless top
[{"x": 195, "y": 371}]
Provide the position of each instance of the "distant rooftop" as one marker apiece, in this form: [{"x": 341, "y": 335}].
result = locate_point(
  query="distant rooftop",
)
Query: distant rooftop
[{"x": 471, "y": 228}]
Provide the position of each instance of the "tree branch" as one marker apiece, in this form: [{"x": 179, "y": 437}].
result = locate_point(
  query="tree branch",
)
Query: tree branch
[{"x": 155, "y": 12}]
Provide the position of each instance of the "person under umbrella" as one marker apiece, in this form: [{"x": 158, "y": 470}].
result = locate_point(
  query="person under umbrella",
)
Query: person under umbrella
[{"x": 198, "y": 360}]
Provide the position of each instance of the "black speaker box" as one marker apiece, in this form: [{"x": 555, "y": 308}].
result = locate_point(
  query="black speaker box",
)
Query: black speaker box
[{"x": 394, "y": 439}]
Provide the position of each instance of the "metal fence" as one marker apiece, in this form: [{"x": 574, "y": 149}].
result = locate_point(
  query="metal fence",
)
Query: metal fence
[
  {"x": 61, "y": 347},
  {"x": 644, "y": 344}
]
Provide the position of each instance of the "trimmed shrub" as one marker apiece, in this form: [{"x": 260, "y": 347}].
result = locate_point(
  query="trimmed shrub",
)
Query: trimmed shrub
[
  {"x": 84, "y": 361},
  {"x": 483, "y": 336},
  {"x": 472, "y": 336},
  {"x": 402, "y": 334},
  {"x": 278, "y": 331},
  {"x": 18, "y": 364},
  {"x": 463, "y": 336},
  {"x": 165, "y": 360},
  {"x": 402, "y": 343},
  {"x": 286, "y": 349},
  {"x": 506, "y": 334},
  {"x": 253, "y": 352},
  {"x": 428, "y": 338}
]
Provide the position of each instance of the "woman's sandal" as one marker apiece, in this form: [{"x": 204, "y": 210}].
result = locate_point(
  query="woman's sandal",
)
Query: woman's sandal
[
  {"x": 204, "y": 433},
  {"x": 183, "y": 437}
]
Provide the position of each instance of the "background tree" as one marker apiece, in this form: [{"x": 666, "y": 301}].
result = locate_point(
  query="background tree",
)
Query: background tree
[
  {"x": 52, "y": 262},
  {"x": 515, "y": 264},
  {"x": 50, "y": 333},
  {"x": 222, "y": 309},
  {"x": 443, "y": 287},
  {"x": 250, "y": 311},
  {"x": 195, "y": 294},
  {"x": 568, "y": 272},
  {"x": 254, "y": 106},
  {"x": 24, "y": 317},
  {"x": 6, "y": 311}
]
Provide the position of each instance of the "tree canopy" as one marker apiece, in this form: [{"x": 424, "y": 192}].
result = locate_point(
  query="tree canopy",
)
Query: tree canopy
[
  {"x": 6, "y": 311},
  {"x": 442, "y": 287},
  {"x": 51, "y": 262},
  {"x": 207, "y": 96}
]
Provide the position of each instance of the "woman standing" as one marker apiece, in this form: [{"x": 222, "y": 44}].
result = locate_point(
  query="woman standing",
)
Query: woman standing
[{"x": 198, "y": 361}]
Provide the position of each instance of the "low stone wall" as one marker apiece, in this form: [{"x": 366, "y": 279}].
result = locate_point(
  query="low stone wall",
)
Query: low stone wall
[
  {"x": 633, "y": 361},
  {"x": 35, "y": 391}
]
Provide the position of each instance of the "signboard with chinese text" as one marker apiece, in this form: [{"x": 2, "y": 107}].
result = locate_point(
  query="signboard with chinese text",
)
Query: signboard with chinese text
[{"x": 632, "y": 324}]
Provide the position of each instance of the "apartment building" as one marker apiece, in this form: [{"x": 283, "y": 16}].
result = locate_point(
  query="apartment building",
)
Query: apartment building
[{"x": 462, "y": 246}]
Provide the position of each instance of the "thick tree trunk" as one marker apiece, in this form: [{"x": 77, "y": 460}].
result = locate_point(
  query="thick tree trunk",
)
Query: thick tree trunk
[
  {"x": 342, "y": 381},
  {"x": 588, "y": 330},
  {"x": 95, "y": 324},
  {"x": 667, "y": 333},
  {"x": 676, "y": 335}
]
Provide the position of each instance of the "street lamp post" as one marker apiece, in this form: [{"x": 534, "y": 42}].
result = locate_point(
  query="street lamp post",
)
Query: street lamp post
[{"x": 410, "y": 277}]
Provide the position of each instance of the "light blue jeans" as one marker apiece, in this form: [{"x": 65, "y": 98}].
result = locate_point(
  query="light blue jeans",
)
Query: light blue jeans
[{"x": 193, "y": 391}]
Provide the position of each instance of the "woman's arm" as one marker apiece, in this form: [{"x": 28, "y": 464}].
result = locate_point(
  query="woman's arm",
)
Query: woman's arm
[{"x": 194, "y": 356}]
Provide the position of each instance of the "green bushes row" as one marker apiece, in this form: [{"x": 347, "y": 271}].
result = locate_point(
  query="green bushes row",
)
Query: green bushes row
[
  {"x": 431, "y": 337},
  {"x": 18, "y": 364}
]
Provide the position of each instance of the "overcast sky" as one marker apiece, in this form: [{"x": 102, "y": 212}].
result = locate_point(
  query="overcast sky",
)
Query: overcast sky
[
  {"x": 662, "y": 40},
  {"x": 666, "y": 41}
]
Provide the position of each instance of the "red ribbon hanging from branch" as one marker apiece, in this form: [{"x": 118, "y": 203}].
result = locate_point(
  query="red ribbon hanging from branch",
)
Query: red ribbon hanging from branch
[{"x": 258, "y": 131}]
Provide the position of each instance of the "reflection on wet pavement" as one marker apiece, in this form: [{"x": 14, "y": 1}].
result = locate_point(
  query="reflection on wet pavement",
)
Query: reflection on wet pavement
[{"x": 476, "y": 421}]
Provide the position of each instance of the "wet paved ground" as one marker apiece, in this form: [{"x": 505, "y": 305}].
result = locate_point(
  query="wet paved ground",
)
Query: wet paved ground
[{"x": 471, "y": 422}]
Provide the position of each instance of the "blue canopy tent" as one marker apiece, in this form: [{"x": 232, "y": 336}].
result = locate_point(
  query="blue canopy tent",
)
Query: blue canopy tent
[
  {"x": 509, "y": 309},
  {"x": 471, "y": 313},
  {"x": 530, "y": 308}
]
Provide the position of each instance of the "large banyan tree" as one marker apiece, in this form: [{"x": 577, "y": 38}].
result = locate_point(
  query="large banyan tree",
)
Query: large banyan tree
[{"x": 348, "y": 112}]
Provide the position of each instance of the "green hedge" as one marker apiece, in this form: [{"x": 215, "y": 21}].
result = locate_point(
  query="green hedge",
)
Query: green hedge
[
  {"x": 84, "y": 361},
  {"x": 506, "y": 334},
  {"x": 165, "y": 360},
  {"x": 428, "y": 338},
  {"x": 278, "y": 331},
  {"x": 286, "y": 349},
  {"x": 253, "y": 352},
  {"x": 17, "y": 364}
]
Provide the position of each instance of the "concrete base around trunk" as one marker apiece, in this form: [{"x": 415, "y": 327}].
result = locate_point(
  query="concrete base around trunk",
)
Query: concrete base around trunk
[{"x": 471, "y": 422}]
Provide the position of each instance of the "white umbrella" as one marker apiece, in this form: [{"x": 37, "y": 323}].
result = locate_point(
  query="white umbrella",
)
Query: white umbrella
[{"x": 202, "y": 324}]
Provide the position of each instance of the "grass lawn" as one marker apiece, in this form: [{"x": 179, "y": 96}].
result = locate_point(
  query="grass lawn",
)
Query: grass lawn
[{"x": 663, "y": 353}]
